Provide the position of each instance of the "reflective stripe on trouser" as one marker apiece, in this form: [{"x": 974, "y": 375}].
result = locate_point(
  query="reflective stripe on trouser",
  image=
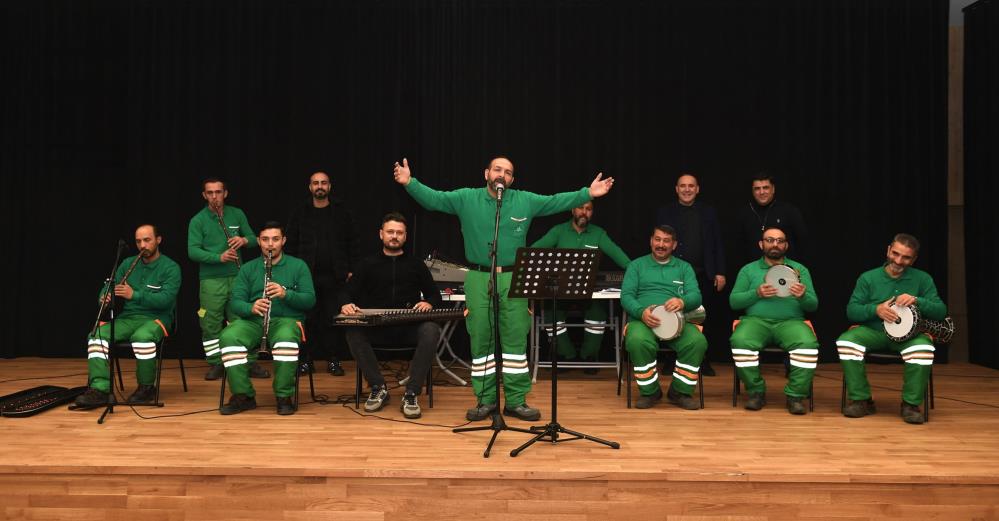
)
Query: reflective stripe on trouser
[
  {"x": 515, "y": 323},
  {"x": 643, "y": 347},
  {"x": 143, "y": 332},
  {"x": 792, "y": 335},
  {"x": 240, "y": 341},
  {"x": 917, "y": 353},
  {"x": 214, "y": 295},
  {"x": 596, "y": 315}
]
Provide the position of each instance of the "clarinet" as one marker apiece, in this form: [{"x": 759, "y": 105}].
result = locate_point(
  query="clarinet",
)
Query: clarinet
[
  {"x": 118, "y": 304},
  {"x": 225, "y": 230},
  {"x": 268, "y": 266}
]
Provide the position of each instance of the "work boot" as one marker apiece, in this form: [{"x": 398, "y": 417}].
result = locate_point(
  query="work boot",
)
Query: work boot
[
  {"x": 410, "y": 407},
  {"x": 143, "y": 394},
  {"x": 90, "y": 399},
  {"x": 335, "y": 368},
  {"x": 756, "y": 401},
  {"x": 683, "y": 401},
  {"x": 859, "y": 408},
  {"x": 237, "y": 404},
  {"x": 646, "y": 401},
  {"x": 481, "y": 411},
  {"x": 523, "y": 411},
  {"x": 377, "y": 399},
  {"x": 912, "y": 414},
  {"x": 795, "y": 405},
  {"x": 215, "y": 372},
  {"x": 258, "y": 371},
  {"x": 285, "y": 406}
]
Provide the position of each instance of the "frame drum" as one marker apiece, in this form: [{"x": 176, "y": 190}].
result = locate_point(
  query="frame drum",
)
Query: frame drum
[
  {"x": 670, "y": 324},
  {"x": 782, "y": 277}
]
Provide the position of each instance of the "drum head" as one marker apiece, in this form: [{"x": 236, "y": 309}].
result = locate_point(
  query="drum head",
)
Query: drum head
[
  {"x": 782, "y": 277},
  {"x": 670, "y": 324},
  {"x": 902, "y": 329}
]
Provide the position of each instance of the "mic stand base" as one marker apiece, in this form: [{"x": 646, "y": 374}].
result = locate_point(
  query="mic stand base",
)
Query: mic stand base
[
  {"x": 498, "y": 424},
  {"x": 551, "y": 433}
]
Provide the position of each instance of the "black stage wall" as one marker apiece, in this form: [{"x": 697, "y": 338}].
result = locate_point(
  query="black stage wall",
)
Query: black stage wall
[
  {"x": 981, "y": 166},
  {"x": 114, "y": 111}
]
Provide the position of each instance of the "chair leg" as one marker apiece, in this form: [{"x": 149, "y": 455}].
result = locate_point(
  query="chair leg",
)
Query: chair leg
[
  {"x": 357, "y": 389},
  {"x": 183, "y": 374},
  {"x": 700, "y": 387},
  {"x": 932, "y": 404},
  {"x": 117, "y": 367},
  {"x": 735, "y": 386},
  {"x": 225, "y": 377},
  {"x": 842, "y": 395},
  {"x": 430, "y": 386},
  {"x": 811, "y": 397}
]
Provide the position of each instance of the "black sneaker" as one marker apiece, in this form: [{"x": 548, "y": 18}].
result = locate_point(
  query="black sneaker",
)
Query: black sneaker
[
  {"x": 912, "y": 414},
  {"x": 859, "y": 408},
  {"x": 90, "y": 399},
  {"x": 377, "y": 399},
  {"x": 306, "y": 368},
  {"x": 683, "y": 401},
  {"x": 285, "y": 406},
  {"x": 258, "y": 371},
  {"x": 523, "y": 411},
  {"x": 334, "y": 368},
  {"x": 215, "y": 372},
  {"x": 795, "y": 405},
  {"x": 144, "y": 394},
  {"x": 410, "y": 407},
  {"x": 647, "y": 401},
  {"x": 756, "y": 401},
  {"x": 237, "y": 404},
  {"x": 481, "y": 411}
]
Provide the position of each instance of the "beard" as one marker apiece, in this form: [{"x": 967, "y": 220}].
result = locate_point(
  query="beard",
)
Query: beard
[
  {"x": 581, "y": 221},
  {"x": 774, "y": 253},
  {"x": 320, "y": 194},
  {"x": 393, "y": 246}
]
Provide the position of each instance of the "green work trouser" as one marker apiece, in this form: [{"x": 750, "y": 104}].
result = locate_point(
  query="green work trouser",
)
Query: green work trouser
[
  {"x": 643, "y": 346},
  {"x": 515, "y": 323},
  {"x": 917, "y": 355},
  {"x": 594, "y": 318},
  {"x": 240, "y": 341},
  {"x": 792, "y": 335},
  {"x": 143, "y": 332},
  {"x": 214, "y": 311}
]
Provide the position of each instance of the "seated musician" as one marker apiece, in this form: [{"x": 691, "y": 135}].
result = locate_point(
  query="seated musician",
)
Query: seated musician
[
  {"x": 150, "y": 295},
  {"x": 772, "y": 319},
  {"x": 580, "y": 233},
  {"x": 281, "y": 306},
  {"x": 659, "y": 279},
  {"x": 392, "y": 280},
  {"x": 896, "y": 282}
]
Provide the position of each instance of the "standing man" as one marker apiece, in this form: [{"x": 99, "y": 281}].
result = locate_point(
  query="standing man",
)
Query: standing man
[
  {"x": 765, "y": 211},
  {"x": 476, "y": 208},
  {"x": 579, "y": 232},
  {"x": 321, "y": 232},
  {"x": 287, "y": 298},
  {"x": 392, "y": 279},
  {"x": 660, "y": 279},
  {"x": 214, "y": 238},
  {"x": 150, "y": 296},
  {"x": 700, "y": 244},
  {"x": 770, "y": 319},
  {"x": 898, "y": 283}
]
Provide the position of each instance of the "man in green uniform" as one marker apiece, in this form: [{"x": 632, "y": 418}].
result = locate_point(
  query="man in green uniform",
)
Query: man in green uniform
[
  {"x": 896, "y": 282},
  {"x": 476, "y": 209},
  {"x": 660, "y": 279},
  {"x": 579, "y": 232},
  {"x": 771, "y": 319},
  {"x": 214, "y": 238},
  {"x": 150, "y": 295},
  {"x": 288, "y": 296}
]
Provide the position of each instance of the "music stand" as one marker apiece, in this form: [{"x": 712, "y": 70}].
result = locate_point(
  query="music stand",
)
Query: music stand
[{"x": 555, "y": 273}]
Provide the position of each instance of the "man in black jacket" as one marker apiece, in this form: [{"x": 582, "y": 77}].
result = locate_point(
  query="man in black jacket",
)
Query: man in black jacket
[
  {"x": 700, "y": 243},
  {"x": 392, "y": 280},
  {"x": 764, "y": 212},
  {"x": 321, "y": 232}
]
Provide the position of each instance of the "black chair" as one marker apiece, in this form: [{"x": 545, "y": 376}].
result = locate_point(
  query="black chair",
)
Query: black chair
[
  {"x": 304, "y": 356},
  {"x": 124, "y": 348},
  {"x": 928, "y": 401},
  {"x": 773, "y": 350},
  {"x": 625, "y": 371},
  {"x": 359, "y": 384}
]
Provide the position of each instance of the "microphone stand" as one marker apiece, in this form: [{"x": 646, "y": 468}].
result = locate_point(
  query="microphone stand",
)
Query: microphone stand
[
  {"x": 498, "y": 424},
  {"x": 109, "y": 292}
]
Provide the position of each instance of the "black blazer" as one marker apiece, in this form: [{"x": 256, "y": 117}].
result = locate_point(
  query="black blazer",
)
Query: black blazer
[{"x": 714, "y": 252}]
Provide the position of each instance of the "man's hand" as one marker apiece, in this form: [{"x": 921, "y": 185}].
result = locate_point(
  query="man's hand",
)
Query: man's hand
[
  {"x": 228, "y": 256},
  {"x": 236, "y": 242},
  {"x": 797, "y": 289},
  {"x": 401, "y": 172},
  {"x": 423, "y": 306},
  {"x": 905, "y": 300},
  {"x": 275, "y": 290},
  {"x": 766, "y": 291},
  {"x": 599, "y": 187},
  {"x": 719, "y": 283},
  {"x": 261, "y": 306},
  {"x": 885, "y": 312},
  {"x": 124, "y": 291},
  {"x": 350, "y": 309},
  {"x": 674, "y": 305},
  {"x": 650, "y": 320}
]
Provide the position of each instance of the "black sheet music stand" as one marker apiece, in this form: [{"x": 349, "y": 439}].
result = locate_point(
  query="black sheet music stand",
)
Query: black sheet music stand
[{"x": 555, "y": 273}]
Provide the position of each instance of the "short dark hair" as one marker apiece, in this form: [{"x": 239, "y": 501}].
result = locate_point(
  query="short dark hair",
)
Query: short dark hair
[
  {"x": 212, "y": 180},
  {"x": 494, "y": 158},
  {"x": 763, "y": 176},
  {"x": 394, "y": 216},
  {"x": 907, "y": 240},
  {"x": 271, "y": 224},
  {"x": 156, "y": 231},
  {"x": 665, "y": 228},
  {"x": 768, "y": 228}
]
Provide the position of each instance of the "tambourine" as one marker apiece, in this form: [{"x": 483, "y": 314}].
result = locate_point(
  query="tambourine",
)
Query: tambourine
[{"x": 781, "y": 277}]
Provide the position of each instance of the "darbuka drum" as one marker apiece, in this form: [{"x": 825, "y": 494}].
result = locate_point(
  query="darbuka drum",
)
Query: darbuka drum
[
  {"x": 781, "y": 277},
  {"x": 671, "y": 323},
  {"x": 905, "y": 327}
]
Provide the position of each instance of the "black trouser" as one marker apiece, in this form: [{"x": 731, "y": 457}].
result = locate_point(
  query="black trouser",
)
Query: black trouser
[
  {"x": 324, "y": 340},
  {"x": 425, "y": 335},
  {"x": 718, "y": 325}
]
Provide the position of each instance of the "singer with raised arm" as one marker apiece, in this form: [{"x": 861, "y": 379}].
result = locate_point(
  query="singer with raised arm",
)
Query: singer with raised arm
[
  {"x": 271, "y": 315},
  {"x": 147, "y": 283},
  {"x": 476, "y": 209},
  {"x": 215, "y": 237}
]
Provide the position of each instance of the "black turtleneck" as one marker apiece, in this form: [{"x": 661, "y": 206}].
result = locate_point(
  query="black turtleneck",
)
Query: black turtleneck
[{"x": 392, "y": 282}]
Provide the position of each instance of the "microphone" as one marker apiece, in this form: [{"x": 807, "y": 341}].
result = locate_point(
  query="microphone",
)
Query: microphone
[{"x": 499, "y": 190}]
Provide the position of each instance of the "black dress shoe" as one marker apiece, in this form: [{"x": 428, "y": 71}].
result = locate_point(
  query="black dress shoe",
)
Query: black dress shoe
[
  {"x": 237, "y": 404},
  {"x": 144, "y": 394},
  {"x": 257, "y": 371},
  {"x": 335, "y": 369},
  {"x": 215, "y": 372},
  {"x": 285, "y": 406}
]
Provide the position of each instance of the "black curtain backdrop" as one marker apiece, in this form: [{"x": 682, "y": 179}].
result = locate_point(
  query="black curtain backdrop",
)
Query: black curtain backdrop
[
  {"x": 114, "y": 111},
  {"x": 981, "y": 166}
]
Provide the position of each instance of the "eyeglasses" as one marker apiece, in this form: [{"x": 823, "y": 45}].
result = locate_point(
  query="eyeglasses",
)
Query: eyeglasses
[{"x": 774, "y": 240}]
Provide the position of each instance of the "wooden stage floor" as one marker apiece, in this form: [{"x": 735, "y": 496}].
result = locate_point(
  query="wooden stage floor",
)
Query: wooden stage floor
[{"x": 328, "y": 462}]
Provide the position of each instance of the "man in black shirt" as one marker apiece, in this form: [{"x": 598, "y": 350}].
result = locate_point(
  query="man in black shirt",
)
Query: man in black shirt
[
  {"x": 321, "y": 232},
  {"x": 392, "y": 280},
  {"x": 764, "y": 212}
]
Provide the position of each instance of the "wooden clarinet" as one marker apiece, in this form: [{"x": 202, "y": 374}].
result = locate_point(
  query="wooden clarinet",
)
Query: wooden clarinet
[
  {"x": 118, "y": 305},
  {"x": 225, "y": 230},
  {"x": 268, "y": 267}
]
